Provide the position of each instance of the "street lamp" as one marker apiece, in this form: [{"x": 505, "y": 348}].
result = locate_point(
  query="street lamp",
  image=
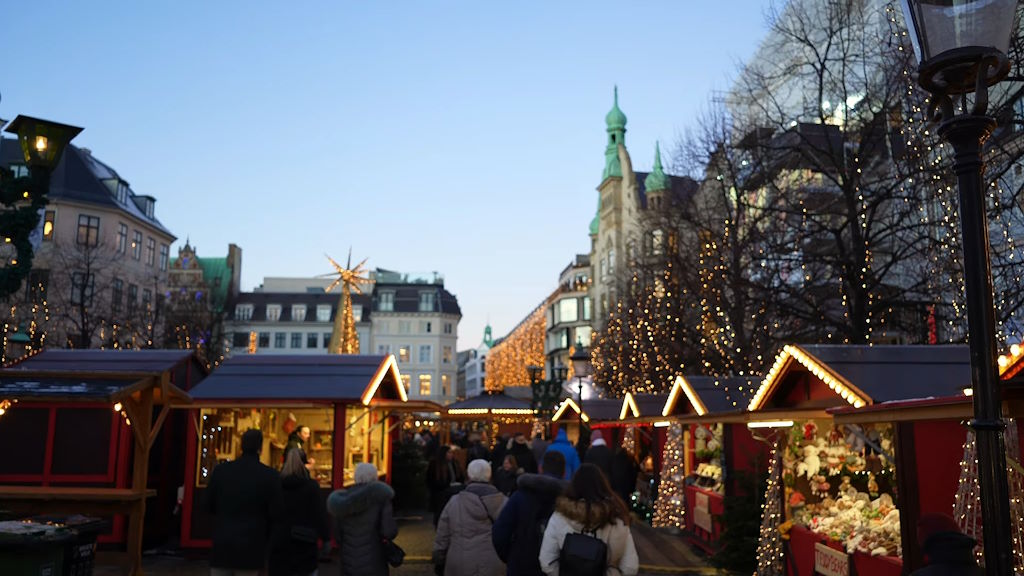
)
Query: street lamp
[
  {"x": 961, "y": 48},
  {"x": 581, "y": 367},
  {"x": 23, "y": 198}
]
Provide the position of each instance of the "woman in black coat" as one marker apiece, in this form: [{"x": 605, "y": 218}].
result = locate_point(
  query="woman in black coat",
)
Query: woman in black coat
[
  {"x": 444, "y": 478},
  {"x": 363, "y": 519},
  {"x": 293, "y": 546}
]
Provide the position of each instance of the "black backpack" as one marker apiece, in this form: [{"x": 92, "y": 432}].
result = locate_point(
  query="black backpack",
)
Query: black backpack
[{"x": 583, "y": 555}]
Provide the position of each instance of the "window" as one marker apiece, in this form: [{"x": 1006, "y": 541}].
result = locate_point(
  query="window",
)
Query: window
[
  {"x": 425, "y": 354},
  {"x": 426, "y": 301},
  {"x": 298, "y": 313},
  {"x": 403, "y": 353},
  {"x": 586, "y": 307},
  {"x": 279, "y": 339},
  {"x": 426, "y": 327},
  {"x": 164, "y": 253},
  {"x": 444, "y": 384},
  {"x": 137, "y": 245},
  {"x": 88, "y": 230},
  {"x": 296, "y": 339},
  {"x": 384, "y": 349},
  {"x": 240, "y": 340},
  {"x": 122, "y": 238},
  {"x": 116, "y": 294},
  {"x": 386, "y": 302},
  {"x": 424, "y": 384},
  {"x": 357, "y": 312},
  {"x": 405, "y": 327},
  {"x": 406, "y": 381},
  {"x": 447, "y": 327},
  {"x": 312, "y": 340},
  {"x": 243, "y": 312},
  {"x": 657, "y": 242},
  {"x": 133, "y": 296},
  {"x": 583, "y": 334},
  {"x": 38, "y": 281},
  {"x": 150, "y": 251},
  {"x": 568, "y": 310},
  {"x": 611, "y": 262},
  {"x": 327, "y": 339},
  {"x": 323, "y": 313},
  {"x": 446, "y": 354},
  {"x": 19, "y": 170},
  {"x": 48, "y": 225},
  {"x": 82, "y": 285},
  {"x": 273, "y": 312},
  {"x": 147, "y": 298},
  {"x": 264, "y": 339}
]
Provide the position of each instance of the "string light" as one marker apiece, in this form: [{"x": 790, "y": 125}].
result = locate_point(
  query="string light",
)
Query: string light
[
  {"x": 668, "y": 508},
  {"x": 524, "y": 346}
]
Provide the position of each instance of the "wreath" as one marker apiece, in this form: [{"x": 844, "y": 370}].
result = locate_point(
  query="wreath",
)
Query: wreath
[{"x": 21, "y": 200}]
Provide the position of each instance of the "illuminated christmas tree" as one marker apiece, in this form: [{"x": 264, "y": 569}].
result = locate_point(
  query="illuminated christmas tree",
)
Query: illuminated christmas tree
[
  {"x": 668, "y": 509},
  {"x": 769, "y": 544}
]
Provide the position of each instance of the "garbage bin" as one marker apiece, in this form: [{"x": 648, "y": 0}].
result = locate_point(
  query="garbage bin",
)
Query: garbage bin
[
  {"x": 80, "y": 549},
  {"x": 28, "y": 549}
]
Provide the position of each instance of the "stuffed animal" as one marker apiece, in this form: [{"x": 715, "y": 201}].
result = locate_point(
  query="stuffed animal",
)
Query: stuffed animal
[{"x": 811, "y": 464}]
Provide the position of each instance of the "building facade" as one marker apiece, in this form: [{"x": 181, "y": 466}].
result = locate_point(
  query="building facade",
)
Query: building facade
[
  {"x": 569, "y": 316},
  {"x": 473, "y": 370}
]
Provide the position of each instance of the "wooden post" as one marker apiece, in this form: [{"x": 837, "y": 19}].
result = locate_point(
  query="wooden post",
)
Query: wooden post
[{"x": 141, "y": 413}]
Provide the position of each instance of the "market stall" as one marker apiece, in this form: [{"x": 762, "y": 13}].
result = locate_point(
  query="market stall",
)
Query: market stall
[
  {"x": 350, "y": 403},
  {"x": 594, "y": 413},
  {"x": 499, "y": 412},
  {"x": 79, "y": 430},
  {"x": 841, "y": 496}
]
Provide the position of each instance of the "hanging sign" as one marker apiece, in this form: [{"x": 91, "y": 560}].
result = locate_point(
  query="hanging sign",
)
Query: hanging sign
[{"x": 830, "y": 562}]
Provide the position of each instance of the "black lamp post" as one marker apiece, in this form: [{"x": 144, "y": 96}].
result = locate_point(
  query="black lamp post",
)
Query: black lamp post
[
  {"x": 22, "y": 198},
  {"x": 581, "y": 367},
  {"x": 961, "y": 48}
]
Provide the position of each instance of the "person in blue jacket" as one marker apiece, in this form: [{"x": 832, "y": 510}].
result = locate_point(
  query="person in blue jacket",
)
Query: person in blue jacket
[
  {"x": 572, "y": 459},
  {"x": 519, "y": 530}
]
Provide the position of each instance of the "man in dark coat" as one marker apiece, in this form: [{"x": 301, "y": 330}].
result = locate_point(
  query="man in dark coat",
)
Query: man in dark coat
[
  {"x": 599, "y": 454},
  {"x": 948, "y": 550},
  {"x": 523, "y": 454},
  {"x": 245, "y": 499},
  {"x": 624, "y": 472},
  {"x": 519, "y": 529}
]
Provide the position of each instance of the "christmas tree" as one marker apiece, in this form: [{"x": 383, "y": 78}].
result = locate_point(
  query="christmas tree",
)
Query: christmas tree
[
  {"x": 668, "y": 509},
  {"x": 769, "y": 544}
]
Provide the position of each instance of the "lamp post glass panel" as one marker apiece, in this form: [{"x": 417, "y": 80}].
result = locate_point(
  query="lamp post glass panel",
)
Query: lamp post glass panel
[
  {"x": 582, "y": 367},
  {"x": 961, "y": 47},
  {"x": 23, "y": 199}
]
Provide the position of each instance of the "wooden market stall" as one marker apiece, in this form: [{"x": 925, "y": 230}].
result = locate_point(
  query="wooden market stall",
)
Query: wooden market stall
[
  {"x": 78, "y": 429},
  {"x": 350, "y": 403},
  {"x": 595, "y": 413},
  {"x": 502, "y": 414},
  {"x": 851, "y": 487}
]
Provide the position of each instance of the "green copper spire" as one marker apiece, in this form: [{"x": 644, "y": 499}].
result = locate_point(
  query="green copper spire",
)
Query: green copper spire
[
  {"x": 488, "y": 340},
  {"x": 616, "y": 122},
  {"x": 656, "y": 180}
]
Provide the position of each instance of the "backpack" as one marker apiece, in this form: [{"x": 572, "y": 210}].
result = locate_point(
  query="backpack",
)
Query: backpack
[{"x": 583, "y": 555}]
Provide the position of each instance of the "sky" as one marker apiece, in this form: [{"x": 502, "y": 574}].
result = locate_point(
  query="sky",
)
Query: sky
[{"x": 463, "y": 137}]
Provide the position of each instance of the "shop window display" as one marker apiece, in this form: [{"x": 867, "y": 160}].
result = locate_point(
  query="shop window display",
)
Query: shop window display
[{"x": 365, "y": 439}]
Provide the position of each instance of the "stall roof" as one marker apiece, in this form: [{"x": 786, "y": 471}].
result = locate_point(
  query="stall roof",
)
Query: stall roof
[
  {"x": 328, "y": 377},
  {"x": 641, "y": 405},
  {"x": 708, "y": 395},
  {"x": 596, "y": 409},
  {"x": 490, "y": 402},
  {"x": 863, "y": 375},
  {"x": 152, "y": 361}
]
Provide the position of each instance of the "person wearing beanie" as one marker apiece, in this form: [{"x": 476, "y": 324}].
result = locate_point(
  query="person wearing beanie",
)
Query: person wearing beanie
[
  {"x": 946, "y": 549},
  {"x": 245, "y": 498},
  {"x": 599, "y": 454}
]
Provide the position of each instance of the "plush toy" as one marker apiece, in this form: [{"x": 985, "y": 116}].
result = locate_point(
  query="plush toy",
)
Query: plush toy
[
  {"x": 810, "y": 431},
  {"x": 872, "y": 485},
  {"x": 811, "y": 463}
]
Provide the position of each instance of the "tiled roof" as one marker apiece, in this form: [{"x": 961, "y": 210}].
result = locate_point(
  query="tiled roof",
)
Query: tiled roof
[{"x": 151, "y": 361}]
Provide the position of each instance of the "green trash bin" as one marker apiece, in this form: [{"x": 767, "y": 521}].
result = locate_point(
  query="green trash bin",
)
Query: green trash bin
[
  {"x": 28, "y": 549},
  {"x": 80, "y": 550}
]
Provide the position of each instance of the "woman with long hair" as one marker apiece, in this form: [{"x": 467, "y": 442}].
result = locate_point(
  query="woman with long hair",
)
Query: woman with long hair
[
  {"x": 590, "y": 507},
  {"x": 293, "y": 547},
  {"x": 444, "y": 478}
]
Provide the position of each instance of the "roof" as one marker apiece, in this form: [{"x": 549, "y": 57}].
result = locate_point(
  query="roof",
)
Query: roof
[
  {"x": 286, "y": 300},
  {"x": 713, "y": 394},
  {"x": 407, "y": 298},
  {"x": 493, "y": 402},
  {"x": 861, "y": 375},
  {"x": 329, "y": 377},
  {"x": 79, "y": 177},
  {"x": 641, "y": 405},
  {"x": 133, "y": 361},
  {"x": 594, "y": 410},
  {"x": 13, "y": 386}
]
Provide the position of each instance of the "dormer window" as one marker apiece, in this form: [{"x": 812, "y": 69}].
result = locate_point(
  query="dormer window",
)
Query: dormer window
[
  {"x": 122, "y": 192},
  {"x": 426, "y": 301},
  {"x": 273, "y": 312},
  {"x": 323, "y": 313},
  {"x": 357, "y": 312},
  {"x": 386, "y": 302},
  {"x": 299, "y": 313},
  {"x": 243, "y": 312}
]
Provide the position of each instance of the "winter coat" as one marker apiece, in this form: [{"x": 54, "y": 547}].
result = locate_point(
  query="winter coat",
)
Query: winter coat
[
  {"x": 303, "y": 507},
  {"x": 524, "y": 457},
  {"x": 519, "y": 529},
  {"x": 601, "y": 456},
  {"x": 505, "y": 480},
  {"x": 624, "y": 471},
  {"x": 244, "y": 497},
  {"x": 463, "y": 536},
  {"x": 572, "y": 459},
  {"x": 949, "y": 553},
  {"x": 571, "y": 516},
  {"x": 539, "y": 447},
  {"x": 362, "y": 517},
  {"x": 443, "y": 483}
]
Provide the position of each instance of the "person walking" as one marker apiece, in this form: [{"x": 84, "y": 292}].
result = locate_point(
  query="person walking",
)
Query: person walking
[
  {"x": 590, "y": 507},
  {"x": 948, "y": 550},
  {"x": 572, "y": 459},
  {"x": 293, "y": 547},
  {"x": 463, "y": 540},
  {"x": 444, "y": 478},
  {"x": 599, "y": 454},
  {"x": 519, "y": 529},
  {"x": 505, "y": 477},
  {"x": 245, "y": 499},
  {"x": 539, "y": 446},
  {"x": 363, "y": 519},
  {"x": 524, "y": 456},
  {"x": 624, "y": 472}
]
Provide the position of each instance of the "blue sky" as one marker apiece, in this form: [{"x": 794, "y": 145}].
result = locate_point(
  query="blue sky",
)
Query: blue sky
[{"x": 462, "y": 137}]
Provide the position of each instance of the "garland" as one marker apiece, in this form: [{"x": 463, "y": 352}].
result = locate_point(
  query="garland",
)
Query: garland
[{"x": 17, "y": 221}]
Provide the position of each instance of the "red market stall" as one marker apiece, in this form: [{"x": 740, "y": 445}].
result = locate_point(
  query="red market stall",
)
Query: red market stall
[
  {"x": 349, "y": 402},
  {"x": 636, "y": 430},
  {"x": 501, "y": 413},
  {"x": 80, "y": 431},
  {"x": 851, "y": 491},
  {"x": 595, "y": 413}
]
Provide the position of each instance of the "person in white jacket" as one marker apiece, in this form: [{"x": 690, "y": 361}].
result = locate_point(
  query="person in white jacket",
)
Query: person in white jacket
[{"x": 589, "y": 505}]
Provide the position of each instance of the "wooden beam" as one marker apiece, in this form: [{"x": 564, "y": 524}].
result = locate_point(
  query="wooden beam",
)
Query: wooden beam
[{"x": 140, "y": 473}]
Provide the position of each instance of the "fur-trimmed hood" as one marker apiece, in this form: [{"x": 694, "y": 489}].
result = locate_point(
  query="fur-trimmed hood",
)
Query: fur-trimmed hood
[
  {"x": 358, "y": 498},
  {"x": 543, "y": 484},
  {"x": 600, "y": 513}
]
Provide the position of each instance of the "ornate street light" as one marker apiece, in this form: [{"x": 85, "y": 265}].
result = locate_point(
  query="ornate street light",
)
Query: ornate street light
[
  {"x": 582, "y": 367},
  {"x": 24, "y": 198},
  {"x": 961, "y": 47}
]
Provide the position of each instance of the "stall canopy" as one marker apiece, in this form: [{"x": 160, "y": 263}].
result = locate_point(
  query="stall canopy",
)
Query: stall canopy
[
  {"x": 130, "y": 382},
  {"x": 696, "y": 397},
  {"x": 811, "y": 378},
  {"x": 370, "y": 380},
  {"x": 491, "y": 402},
  {"x": 594, "y": 411},
  {"x": 641, "y": 408}
]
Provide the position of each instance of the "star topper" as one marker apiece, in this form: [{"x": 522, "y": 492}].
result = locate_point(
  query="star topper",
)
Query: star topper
[{"x": 347, "y": 275}]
